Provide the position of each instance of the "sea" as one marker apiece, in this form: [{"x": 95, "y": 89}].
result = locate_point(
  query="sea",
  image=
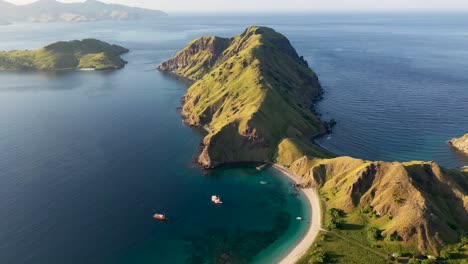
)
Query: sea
[{"x": 87, "y": 157}]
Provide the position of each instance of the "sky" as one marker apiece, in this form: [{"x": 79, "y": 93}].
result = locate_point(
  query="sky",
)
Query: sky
[{"x": 281, "y": 5}]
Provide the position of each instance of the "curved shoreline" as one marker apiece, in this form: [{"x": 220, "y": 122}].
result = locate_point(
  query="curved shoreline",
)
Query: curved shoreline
[{"x": 315, "y": 219}]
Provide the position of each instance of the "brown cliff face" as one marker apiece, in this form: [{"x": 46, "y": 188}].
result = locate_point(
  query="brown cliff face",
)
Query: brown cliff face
[{"x": 197, "y": 58}]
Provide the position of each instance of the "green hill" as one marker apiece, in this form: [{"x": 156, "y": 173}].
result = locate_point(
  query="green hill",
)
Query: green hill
[
  {"x": 251, "y": 93},
  {"x": 87, "y": 53},
  {"x": 422, "y": 205}
]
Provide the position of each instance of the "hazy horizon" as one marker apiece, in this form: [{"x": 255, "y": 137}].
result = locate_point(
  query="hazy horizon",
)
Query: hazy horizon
[{"x": 283, "y": 6}]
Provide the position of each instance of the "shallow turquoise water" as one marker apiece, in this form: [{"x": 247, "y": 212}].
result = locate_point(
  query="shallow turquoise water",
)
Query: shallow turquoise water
[{"x": 88, "y": 157}]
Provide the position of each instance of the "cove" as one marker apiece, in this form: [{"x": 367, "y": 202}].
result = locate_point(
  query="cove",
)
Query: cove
[{"x": 88, "y": 157}]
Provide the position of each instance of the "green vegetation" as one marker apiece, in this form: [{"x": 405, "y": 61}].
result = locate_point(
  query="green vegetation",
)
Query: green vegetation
[
  {"x": 378, "y": 209},
  {"x": 338, "y": 250},
  {"x": 253, "y": 93},
  {"x": 88, "y": 53}
]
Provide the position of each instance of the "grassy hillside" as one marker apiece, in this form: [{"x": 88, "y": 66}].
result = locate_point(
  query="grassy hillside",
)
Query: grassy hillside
[
  {"x": 251, "y": 93},
  {"x": 88, "y": 53},
  {"x": 388, "y": 207}
]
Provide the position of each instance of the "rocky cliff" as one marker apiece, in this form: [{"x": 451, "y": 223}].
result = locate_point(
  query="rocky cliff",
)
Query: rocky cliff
[
  {"x": 251, "y": 93},
  {"x": 460, "y": 144}
]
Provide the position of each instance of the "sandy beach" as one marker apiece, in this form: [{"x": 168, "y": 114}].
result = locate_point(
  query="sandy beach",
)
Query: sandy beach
[{"x": 314, "y": 228}]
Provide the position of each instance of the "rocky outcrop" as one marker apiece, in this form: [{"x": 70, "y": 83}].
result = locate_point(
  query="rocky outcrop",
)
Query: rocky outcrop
[
  {"x": 197, "y": 58},
  {"x": 251, "y": 92},
  {"x": 460, "y": 144}
]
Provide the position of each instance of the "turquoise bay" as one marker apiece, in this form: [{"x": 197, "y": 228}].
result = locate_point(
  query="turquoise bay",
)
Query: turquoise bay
[{"x": 88, "y": 157}]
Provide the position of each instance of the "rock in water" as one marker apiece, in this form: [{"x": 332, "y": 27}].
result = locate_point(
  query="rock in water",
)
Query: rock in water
[{"x": 460, "y": 144}]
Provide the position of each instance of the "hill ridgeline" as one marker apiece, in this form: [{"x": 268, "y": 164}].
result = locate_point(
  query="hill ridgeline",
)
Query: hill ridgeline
[
  {"x": 253, "y": 95},
  {"x": 46, "y": 11},
  {"x": 76, "y": 54}
]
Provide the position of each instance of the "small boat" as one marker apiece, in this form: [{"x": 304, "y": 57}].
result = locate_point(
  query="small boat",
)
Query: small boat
[
  {"x": 263, "y": 182},
  {"x": 299, "y": 218},
  {"x": 160, "y": 217},
  {"x": 261, "y": 167},
  {"x": 216, "y": 200}
]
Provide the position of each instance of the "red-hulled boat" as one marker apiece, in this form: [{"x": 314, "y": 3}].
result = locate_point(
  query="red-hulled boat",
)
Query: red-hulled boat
[{"x": 160, "y": 217}]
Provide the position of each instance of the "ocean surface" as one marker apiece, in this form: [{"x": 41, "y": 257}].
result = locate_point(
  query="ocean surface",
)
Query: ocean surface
[{"x": 88, "y": 157}]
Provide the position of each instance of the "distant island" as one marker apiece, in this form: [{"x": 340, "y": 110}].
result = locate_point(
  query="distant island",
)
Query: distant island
[
  {"x": 62, "y": 55},
  {"x": 460, "y": 143},
  {"x": 253, "y": 94},
  {"x": 44, "y": 11}
]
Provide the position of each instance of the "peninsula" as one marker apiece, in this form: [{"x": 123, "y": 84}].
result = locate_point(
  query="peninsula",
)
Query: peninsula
[
  {"x": 253, "y": 94},
  {"x": 460, "y": 143},
  {"x": 62, "y": 55},
  {"x": 46, "y": 11}
]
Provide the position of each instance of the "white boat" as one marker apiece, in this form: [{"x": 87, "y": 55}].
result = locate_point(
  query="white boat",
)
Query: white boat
[
  {"x": 216, "y": 200},
  {"x": 261, "y": 167},
  {"x": 299, "y": 218},
  {"x": 263, "y": 182}
]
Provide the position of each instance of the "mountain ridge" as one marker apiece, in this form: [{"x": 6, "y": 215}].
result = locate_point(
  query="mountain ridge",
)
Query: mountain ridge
[
  {"x": 44, "y": 11},
  {"x": 253, "y": 94},
  {"x": 243, "y": 97}
]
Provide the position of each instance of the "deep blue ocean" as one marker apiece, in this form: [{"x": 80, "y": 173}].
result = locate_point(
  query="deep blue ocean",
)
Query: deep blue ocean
[{"x": 86, "y": 158}]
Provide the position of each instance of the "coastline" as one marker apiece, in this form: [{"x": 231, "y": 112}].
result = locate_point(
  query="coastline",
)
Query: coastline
[{"x": 315, "y": 219}]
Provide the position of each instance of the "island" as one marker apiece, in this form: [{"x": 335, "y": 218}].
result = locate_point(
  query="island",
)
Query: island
[
  {"x": 45, "y": 11},
  {"x": 63, "y": 55},
  {"x": 461, "y": 143},
  {"x": 254, "y": 95}
]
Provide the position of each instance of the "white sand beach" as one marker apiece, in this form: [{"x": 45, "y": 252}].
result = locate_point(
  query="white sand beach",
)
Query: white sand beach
[{"x": 315, "y": 220}]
